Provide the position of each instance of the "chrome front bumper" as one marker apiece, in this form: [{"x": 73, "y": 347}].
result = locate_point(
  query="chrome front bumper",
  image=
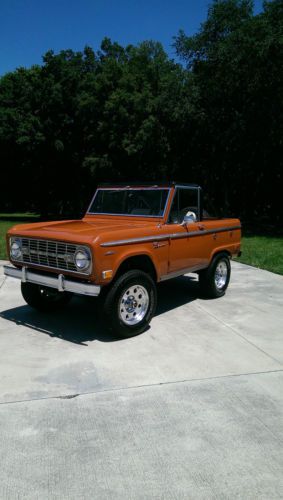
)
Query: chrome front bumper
[{"x": 60, "y": 282}]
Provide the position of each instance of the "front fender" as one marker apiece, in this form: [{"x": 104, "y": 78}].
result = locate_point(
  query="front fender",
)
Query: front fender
[{"x": 113, "y": 258}]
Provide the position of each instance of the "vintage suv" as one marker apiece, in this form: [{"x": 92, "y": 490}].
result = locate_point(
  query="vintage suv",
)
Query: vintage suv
[{"x": 132, "y": 237}]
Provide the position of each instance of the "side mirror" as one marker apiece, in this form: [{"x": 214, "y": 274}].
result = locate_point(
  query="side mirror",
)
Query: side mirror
[{"x": 189, "y": 218}]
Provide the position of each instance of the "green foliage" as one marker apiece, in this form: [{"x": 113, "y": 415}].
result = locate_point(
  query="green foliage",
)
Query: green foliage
[
  {"x": 236, "y": 61},
  {"x": 224, "y": 18},
  {"x": 9, "y": 220},
  {"x": 86, "y": 117},
  {"x": 263, "y": 252},
  {"x": 131, "y": 113}
]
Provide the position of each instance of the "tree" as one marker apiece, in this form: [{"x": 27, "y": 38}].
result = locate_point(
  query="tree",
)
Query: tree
[
  {"x": 131, "y": 113},
  {"x": 235, "y": 60},
  {"x": 21, "y": 134}
]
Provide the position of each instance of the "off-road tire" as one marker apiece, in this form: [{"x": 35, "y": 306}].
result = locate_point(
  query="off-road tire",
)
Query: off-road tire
[
  {"x": 208, "y": 277},
  {"x": 44, "y": 298},
  {"x": 112, "y": 303}
]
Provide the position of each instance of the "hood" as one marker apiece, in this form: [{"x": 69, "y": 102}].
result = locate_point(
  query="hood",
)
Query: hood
[{"x": 82, "y": 231}]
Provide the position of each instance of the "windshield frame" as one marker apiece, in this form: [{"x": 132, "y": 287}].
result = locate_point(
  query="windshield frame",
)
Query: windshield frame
[{"x": 130, "y": 188}]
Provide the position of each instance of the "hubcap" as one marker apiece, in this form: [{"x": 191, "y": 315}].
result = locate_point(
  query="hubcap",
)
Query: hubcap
[
  {"x": 133, "y": 305},
  {"x": 221, "y": 273}
]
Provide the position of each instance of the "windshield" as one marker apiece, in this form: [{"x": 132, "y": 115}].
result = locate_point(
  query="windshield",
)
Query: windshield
[{"x": 139, "y": 202}]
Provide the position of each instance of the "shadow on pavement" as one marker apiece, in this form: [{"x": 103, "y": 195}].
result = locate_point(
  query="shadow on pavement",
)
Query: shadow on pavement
[
  {"x": 81, "y": 320},
  {"x": 176, "y": 293}
]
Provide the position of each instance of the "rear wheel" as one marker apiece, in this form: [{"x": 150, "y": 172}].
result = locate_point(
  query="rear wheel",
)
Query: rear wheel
[
  {"x": 44, "y": 298},
  {"x": 215, "y": 279},
  {"x": 130, "y": 303}
]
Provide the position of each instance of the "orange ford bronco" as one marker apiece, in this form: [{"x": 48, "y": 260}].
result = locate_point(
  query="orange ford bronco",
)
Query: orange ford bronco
[{"x": 132, "y": 237}]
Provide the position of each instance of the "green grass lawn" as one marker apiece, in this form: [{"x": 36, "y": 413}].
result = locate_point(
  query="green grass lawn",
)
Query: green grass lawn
[
  {"x": 9, "y": 220},
  {"x": 259, "y": 251},
  {"x": 265, "y": 252}
]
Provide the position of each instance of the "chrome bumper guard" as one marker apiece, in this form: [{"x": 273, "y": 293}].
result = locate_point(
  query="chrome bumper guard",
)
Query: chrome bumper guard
[{"x": 60, "y": 282}]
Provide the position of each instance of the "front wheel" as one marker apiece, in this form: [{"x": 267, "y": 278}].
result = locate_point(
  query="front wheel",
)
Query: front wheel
[
  {"x": 130, "y": 303},
  {"x": 215, "y": 279},
  {"x": 44, "y": 298}
]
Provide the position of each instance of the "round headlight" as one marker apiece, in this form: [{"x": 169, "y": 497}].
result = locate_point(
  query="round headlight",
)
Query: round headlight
[
  {"x": 16, "y": 249},
  {"x": 82, "y": 259}
]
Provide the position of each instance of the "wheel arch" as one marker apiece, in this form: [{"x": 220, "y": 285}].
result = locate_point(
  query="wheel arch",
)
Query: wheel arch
[
  {"x": 142, "y": 261},
  {"x": 220, "y": 251}
]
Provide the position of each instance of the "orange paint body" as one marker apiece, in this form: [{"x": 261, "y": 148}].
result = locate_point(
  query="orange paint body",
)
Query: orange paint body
[{"x": 173, "y": 249}]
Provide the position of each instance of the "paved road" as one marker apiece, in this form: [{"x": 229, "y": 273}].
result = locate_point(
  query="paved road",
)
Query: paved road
[{"x": 191, "y": 409}]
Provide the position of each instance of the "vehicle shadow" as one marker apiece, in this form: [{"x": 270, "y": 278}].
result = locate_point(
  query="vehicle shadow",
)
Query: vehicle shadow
[
  {"x": 176, "y": 292},
  {"x": 80, "y": 321}
]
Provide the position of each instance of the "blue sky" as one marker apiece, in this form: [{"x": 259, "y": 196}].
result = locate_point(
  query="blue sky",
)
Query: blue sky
[{"x": 31, "y": 27}]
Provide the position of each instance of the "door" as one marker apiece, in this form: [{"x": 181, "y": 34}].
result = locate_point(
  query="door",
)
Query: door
[{"x": 186, "y": 248}]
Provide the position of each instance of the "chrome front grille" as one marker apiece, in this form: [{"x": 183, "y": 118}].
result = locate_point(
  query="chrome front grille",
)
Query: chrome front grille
[{"x": 47, "y": 253}]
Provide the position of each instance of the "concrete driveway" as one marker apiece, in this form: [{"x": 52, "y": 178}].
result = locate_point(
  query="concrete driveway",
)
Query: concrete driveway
[{"x": 191, "y": 409}]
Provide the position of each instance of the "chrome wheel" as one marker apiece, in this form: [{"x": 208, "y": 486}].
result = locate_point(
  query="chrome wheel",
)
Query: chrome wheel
[
  {"x": 221, "y": 274},
  {"x": 133, "y": 305}
]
